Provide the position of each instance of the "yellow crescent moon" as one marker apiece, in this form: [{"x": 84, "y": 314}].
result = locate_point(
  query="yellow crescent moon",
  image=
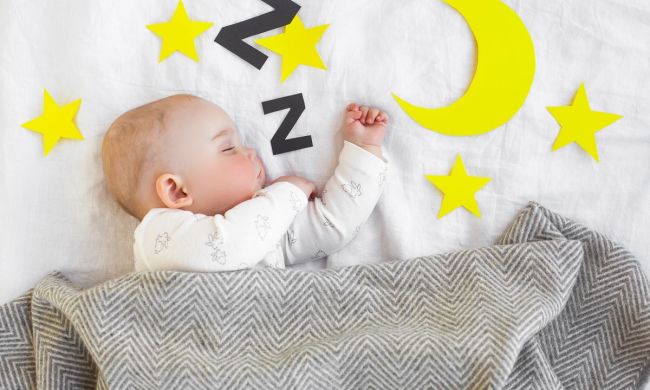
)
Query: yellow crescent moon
[{"x": 504, "y": 73}]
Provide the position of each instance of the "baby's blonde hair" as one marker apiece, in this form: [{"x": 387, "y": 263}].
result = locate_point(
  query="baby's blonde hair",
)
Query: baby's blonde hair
[
  {"x": 129, "y": 152},
  {"x": 126, "y": 149}
]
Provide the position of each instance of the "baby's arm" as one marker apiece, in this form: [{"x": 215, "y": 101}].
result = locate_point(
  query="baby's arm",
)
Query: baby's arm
[
  {"x": 331, "y": 221},
  {"x": 183, "y": 241}
]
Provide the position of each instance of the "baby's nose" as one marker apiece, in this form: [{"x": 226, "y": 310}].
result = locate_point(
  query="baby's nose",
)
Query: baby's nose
[{"x": 252, "y": 153}]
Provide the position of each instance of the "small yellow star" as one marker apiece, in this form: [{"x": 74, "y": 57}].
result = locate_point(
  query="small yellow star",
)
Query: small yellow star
[
  {"x": 178, "y": 34},
  {"x": 296, "y": 45},
  {"x": 458, "y": 189},
  {"x": 579, "y": 123},
  {"x": 55, "y": 123}
]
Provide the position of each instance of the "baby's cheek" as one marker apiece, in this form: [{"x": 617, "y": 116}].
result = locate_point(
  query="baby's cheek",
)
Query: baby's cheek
[{"x": 243, "y": 175}]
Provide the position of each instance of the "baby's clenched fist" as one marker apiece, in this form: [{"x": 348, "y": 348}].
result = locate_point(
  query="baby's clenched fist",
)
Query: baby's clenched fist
[{"x": 365, "y": 126}]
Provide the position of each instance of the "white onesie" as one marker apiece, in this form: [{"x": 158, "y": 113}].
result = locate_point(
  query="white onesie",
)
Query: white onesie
[{"x": 277, "y": 227}]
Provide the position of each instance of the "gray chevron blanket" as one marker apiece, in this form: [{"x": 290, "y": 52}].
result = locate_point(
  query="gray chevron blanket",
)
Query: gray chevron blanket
[{"x": 553, "y": 305}]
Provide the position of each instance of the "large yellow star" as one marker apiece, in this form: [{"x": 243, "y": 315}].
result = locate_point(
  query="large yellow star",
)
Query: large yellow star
[
  {"x": 458, "y": 189},
  {"x": 579, "y": 123},
  {"x": 55, "y": 123},
  {"x": 296, "y": 45},
  {"x": 178, "y": 34}
]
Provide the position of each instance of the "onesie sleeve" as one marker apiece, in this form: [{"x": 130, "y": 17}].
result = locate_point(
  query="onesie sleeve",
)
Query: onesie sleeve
[
  {"x": 171, "y": 239},
  {"x": 328, "y": 223}
]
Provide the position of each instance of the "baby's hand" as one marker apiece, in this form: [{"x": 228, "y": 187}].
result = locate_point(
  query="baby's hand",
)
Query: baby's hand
[
  {"x": 365, "y": 126},
  {"x": 305, "y": 185}
]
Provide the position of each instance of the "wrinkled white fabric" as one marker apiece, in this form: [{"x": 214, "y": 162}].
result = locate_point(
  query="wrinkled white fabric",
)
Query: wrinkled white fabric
[{"x": 55, "y": 213}]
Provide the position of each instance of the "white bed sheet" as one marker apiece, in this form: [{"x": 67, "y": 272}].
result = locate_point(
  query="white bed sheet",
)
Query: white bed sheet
[{"x": 57, "y": 215}]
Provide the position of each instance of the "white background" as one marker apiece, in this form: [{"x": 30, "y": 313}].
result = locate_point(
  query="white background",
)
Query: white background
[{"x": 55, "y": 213}]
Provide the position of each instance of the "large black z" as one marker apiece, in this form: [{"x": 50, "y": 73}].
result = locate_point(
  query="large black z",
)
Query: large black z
[
  {"x": 279, "y": 142},
  {"x": 232, "y": 37}
]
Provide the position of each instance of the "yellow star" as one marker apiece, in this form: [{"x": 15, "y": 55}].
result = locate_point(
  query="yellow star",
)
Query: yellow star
[
  {"x": 179, "y": 33},
  {"x": 296, "y": 45},
  {"x": 579, "y": 123},
  {"x": 458, "y": 189},
  {"x": 55, "y": 123}
]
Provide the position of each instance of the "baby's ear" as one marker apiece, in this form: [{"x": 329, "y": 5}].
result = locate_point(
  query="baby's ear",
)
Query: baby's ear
[{"x": 170, "y": 191}]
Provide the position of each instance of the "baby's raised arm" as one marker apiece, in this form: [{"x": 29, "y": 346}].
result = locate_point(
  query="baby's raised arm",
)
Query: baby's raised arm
[
  {"x": 349, "y": 196},
  {"x": 331, "y": 221}
]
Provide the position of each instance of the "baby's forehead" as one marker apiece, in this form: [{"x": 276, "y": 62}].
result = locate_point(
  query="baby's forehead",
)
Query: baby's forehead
[
  {"x": 197, "y": 111},
  {"x": 194, "y": 121}
]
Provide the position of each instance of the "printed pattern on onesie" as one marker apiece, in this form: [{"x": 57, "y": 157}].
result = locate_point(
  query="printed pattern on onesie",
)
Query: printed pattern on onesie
[
  {"x": 346, "y": 201},
  {"x": 218, "y": 254},
  {"x": 161, "y": 243}
]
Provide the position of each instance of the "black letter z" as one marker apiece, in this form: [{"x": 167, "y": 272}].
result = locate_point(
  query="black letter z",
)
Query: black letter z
[
  {"x": 232, "y": 37},
  {"x": 279, "y": 142}
]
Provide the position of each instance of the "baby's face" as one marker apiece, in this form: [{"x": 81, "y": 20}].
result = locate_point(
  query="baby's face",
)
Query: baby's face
[{"x": 218, "y": 172}]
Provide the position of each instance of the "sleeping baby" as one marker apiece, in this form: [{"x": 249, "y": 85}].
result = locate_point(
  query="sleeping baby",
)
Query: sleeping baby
[{"x": 177, "y": 164}]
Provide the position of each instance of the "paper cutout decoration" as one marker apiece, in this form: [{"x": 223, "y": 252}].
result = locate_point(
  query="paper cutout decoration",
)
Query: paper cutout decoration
[
  {"x": 579, "y": 123},
  {"x": 56, "y": 122},
  {"x": 458, "y": 189},
  {"x": 296, "y": 45},
  {"x": 296, "y": 105},
  {"x": 178, "y": 34},
  {"x": 232, "y": 37},
  {"x": 504, "y": 73}
]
